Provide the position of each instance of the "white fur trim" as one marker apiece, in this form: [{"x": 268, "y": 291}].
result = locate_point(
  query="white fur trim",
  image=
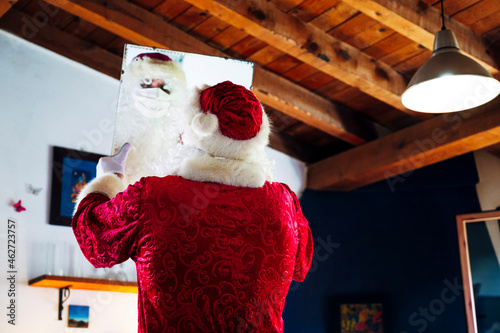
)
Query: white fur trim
[
  {"x": 220, "y": 145},
  {"x": 205, "y": 123},
  {"x": 154, "y": 68},
  {"x": 224, "y": 171},
  {"x": 108, "y": 184}
]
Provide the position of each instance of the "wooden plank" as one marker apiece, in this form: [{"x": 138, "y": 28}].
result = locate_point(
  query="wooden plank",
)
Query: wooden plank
[
  {"x": 128, "y": 21},
  {"x": 373, "y": 33},
  {"x": 54, "y": 281},
  {"x": 410, "y": 66},
  {"x": 420, "y": 23},
  {"x": 402, "y": 54},
  {"x": 100, "y": 37},
  {"x": 248, "y": 46},
  {"x": 316, "y": 111},
  {"x": 330, "y": 89},
  {"x": 171, "y": 9},
  {"x": 387, "y": 45},
  {"x": 308, "y": 150},
  {"x": 148, "y": 4},
  {"x": 453, "y": 7},
  {"x": 477, "y": 11},
  {"x": 266, "y": 55},
  {"x": 310, "y": 9},
  {"x": 312, "y": 136},
  {"x": 283, "y": 64},
  {"x": 5, "y": 5},
  {"x": 383, "y": 114},
  {"x": 344, "y": 96},
  {"x": 292, "y": 147},
  {"x": 486, "y": 24},
  {"x": 80, "y": 28},
  {"x": 286, "y": 5},
  {"x": 228, "y": 38},
  {"x": 334, "y": 16},
  {"x": 190, "y": 18},
  {"x": 117, "y": 46},
  {"x": 43, "y": 14},
  {"x": 300, "y": 72},
  {"x": 316, "y": 80},
  {"x": 396, "y": 155},
  {"x": 209, "y": 28},
  {"x": 351, "y": 27},
  {"x": 64, "y": 44},
  {"x": 313, "y": 46}
]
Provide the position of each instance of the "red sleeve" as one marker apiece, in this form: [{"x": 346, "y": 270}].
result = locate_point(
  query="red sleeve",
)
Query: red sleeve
[
  {"x": 106, "y": 229},
  {"x": 305, "y": 249}
]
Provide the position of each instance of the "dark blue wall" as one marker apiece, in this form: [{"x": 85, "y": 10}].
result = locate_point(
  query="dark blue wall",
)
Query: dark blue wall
[{"x": 397, "y": 238}]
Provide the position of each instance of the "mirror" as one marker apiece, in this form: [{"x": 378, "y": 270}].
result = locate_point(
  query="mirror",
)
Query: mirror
[
  {"x": 155, "y": 86},
  {"x": 479, "y": 241}
]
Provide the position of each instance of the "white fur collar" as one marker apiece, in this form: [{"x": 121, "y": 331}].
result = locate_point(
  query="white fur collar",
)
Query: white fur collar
[{"x": 226, "y": 171}]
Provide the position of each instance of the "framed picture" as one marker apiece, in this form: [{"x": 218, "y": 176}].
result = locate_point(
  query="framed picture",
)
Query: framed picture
[
  {"x": 71, "y": 171},
  {"x": 78, "y": 316},
  {"x": 356, "y": 314}
]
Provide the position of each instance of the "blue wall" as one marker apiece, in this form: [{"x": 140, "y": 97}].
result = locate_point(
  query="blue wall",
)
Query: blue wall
[{"x": 396, "y": 238}]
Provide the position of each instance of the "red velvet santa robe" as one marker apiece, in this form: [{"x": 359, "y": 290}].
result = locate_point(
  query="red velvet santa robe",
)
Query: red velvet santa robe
[{"x": 209, "y": 257}]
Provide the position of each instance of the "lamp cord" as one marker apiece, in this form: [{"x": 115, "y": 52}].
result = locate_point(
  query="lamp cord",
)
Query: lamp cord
[{"x": 442, "y": 15}]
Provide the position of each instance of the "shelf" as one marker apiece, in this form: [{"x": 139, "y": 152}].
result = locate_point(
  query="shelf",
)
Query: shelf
[{"x": 54, "y": 281}]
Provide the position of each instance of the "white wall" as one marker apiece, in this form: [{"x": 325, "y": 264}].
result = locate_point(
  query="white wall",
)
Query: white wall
[
  {"x": 488, "y": 192},
  {"x": 488, "y": 188},
  {"x": 47, "y": 100}
]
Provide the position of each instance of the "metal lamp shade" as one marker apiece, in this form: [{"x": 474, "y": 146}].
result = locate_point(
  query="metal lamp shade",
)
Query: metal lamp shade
[{"x": 449, "y": 81}]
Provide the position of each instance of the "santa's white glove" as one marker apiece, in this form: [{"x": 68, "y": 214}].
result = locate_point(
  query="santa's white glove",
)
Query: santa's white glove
[{"x": 114, "y": 164}]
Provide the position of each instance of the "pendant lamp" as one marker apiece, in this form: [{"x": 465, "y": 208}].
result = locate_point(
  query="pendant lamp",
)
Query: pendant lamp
[{"x": 449, "y": 81}]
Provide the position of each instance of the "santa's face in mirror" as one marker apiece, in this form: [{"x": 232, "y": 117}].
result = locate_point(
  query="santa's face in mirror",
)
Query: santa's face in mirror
[
  {"x": 155, "y": 83},
  {"x": 154, "y": 97}
]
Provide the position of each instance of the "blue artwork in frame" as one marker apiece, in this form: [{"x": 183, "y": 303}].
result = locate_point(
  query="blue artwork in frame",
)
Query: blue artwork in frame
[
  {"x": 78, "y": 316},
  {"x": 71, "y": 171}
]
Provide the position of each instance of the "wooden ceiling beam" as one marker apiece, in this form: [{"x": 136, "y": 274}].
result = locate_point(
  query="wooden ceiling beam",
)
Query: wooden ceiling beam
[
  {"x": 142, "y": 27},
  {"x": 292, "y": 147},
  {"x": 6, "y": 5},
  {"x": 308, "y": 43},
  {"x": 298, "y": 102},
  {"x": 395, "y": 156},
  {"x": 64, "y": 44},
  {"x": 420, "y": 22}
]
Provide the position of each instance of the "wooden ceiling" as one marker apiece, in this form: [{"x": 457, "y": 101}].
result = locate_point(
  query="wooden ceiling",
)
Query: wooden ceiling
[{"x": 330, "y": 73}]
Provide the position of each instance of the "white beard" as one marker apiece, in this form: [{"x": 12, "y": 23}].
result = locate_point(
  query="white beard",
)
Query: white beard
[{"x": 152, "y": 102}]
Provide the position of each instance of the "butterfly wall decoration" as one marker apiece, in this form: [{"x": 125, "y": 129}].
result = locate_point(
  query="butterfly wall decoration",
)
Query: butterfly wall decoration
[
  {"x": 18, "y": 207},
  {"x": 33, "y": 190}
]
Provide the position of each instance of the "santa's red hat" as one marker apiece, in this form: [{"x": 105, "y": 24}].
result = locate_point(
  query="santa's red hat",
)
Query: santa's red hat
[
  {"x": 231, "y": 118},
  {"x": 238, "y": 111},
  {"x": 156, "y": 65}
]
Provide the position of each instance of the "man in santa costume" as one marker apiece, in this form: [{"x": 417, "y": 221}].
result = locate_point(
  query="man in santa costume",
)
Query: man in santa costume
[{"x": 217, "y": 245}]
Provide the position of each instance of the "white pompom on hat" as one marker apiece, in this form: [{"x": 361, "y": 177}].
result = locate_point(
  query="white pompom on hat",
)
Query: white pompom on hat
[
  {"x": 229, "y": 128},
  {"x": 230, "y": 120}
]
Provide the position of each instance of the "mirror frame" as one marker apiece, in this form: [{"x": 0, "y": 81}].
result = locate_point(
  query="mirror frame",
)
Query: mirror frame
[{"x": 462, "y": 221}]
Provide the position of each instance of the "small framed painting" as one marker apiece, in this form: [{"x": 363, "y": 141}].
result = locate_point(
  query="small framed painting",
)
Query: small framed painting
[
  {"x": 78, "y": 316},
  {"x": 356, "y": 314},
  {"x": 71, "y": 171}
]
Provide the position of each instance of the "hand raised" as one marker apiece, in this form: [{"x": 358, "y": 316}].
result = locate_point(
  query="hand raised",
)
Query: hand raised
[{"x": 114, "y": 164}]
